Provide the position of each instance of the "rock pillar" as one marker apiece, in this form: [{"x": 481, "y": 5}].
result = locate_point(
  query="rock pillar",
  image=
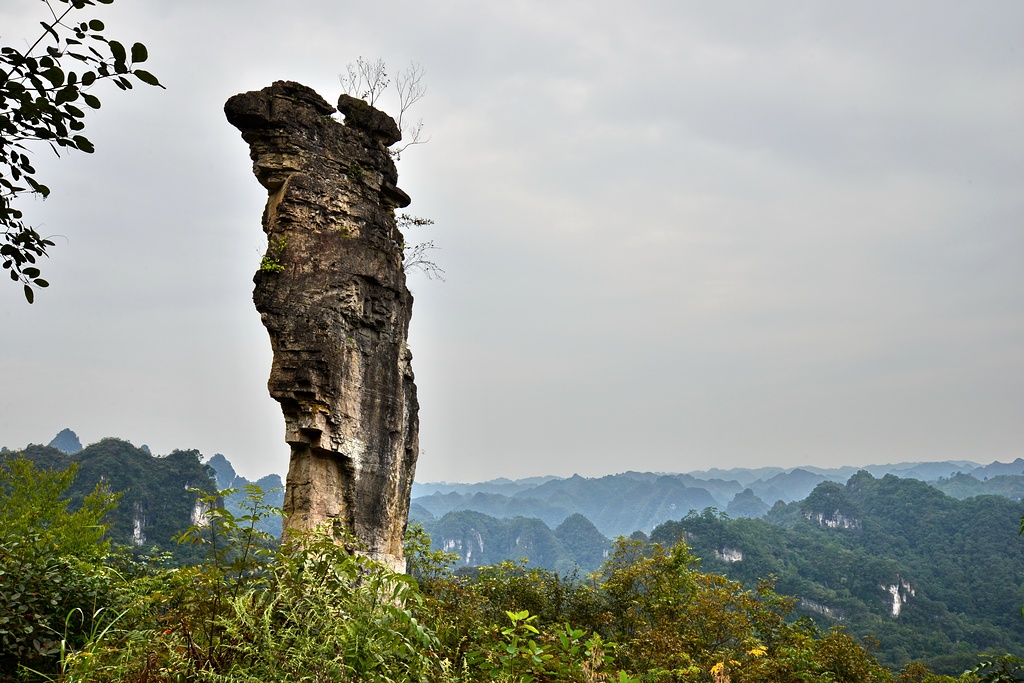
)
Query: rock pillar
[{"x": 331, "y": 292}]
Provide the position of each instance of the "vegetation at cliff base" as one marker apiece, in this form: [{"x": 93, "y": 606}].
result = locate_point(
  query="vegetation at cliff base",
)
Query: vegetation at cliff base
[{"x": 313, "y": 609}]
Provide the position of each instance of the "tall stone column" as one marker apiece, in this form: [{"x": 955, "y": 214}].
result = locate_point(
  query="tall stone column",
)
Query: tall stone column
[{"x": 331, "y": 292}]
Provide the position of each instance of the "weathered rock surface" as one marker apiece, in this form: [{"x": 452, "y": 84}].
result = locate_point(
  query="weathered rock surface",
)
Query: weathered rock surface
[{"x": 331, "y": 292}]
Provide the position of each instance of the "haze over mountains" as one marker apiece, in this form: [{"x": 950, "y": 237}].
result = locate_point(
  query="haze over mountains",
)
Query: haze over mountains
[
  {"x": 559, "y": 523},
  {"x": 620, "y": 504},
  {"x": 712, "y": 487},
  {"x": 930, "y": 569}
]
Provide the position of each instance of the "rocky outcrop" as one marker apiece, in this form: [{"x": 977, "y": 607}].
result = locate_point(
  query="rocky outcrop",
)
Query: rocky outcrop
[
  {"x": 821, "y": 608},
  {"x": 900, "y": 592},
  {"x": 729, "y": 555},
  {"x": 331, "y": 292},
  {"x": 836, "y": 520}
]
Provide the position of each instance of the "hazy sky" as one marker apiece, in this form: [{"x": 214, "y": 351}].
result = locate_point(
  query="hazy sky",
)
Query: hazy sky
[{"x": 677, "y": 235}]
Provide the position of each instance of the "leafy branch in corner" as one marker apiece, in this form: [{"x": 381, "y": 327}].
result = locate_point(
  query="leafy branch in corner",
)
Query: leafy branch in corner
[{"x": 40, "y": 92}]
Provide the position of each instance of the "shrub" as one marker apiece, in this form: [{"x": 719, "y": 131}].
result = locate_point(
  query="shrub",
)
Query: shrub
[{"x": 54, "y": 589}]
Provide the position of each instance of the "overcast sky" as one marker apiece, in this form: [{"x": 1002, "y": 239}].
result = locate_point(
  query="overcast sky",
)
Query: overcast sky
[{"x": 676, "y": 235}]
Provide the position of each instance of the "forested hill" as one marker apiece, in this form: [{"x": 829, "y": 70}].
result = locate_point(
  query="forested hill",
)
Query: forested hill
[
  {"x": 159, "y": 495},
  {"x": 931, "y": 577},
  {"x": 478, "y": 540},
  {"x": 271, "y": 485}
]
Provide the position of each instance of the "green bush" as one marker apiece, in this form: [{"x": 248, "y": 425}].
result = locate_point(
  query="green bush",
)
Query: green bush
[
  {"x": 54, "y": 590},
  {"x": 326, "y": 613},
  {"x": 311, "y": 610}
]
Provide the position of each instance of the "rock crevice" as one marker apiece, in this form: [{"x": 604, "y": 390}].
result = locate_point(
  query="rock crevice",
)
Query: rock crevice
[{"x": 331, "y": 292}]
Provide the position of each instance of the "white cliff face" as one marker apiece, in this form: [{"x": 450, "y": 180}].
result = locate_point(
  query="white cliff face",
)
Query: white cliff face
[
  {"x": 836, "y": 520},
  {"x": 820, "y": 608},
  {"x": 900, "y": 592},
  {"x": 138, "y": 524},
  {"x": 458, "y": 546},
  {"x": 729, "y": 555},
  {"x": 199, "y": 514}
]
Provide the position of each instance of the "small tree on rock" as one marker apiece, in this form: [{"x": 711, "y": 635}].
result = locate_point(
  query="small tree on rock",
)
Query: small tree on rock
[{"x": 369, "y": 81}]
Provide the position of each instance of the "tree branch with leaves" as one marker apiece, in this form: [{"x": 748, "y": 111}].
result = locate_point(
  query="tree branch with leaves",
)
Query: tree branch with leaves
[
  {"x": 415, "y": 256},
  {"x": 40, "y": 92}
]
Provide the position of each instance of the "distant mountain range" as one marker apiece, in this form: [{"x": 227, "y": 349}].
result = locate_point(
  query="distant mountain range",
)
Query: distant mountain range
[
  {"x": 623, "y": 503},
  {"x": 932, "y": 570},
  {"x": 505, "y": 512}
]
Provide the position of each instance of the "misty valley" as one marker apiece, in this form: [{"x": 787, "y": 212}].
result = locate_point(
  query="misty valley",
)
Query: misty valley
[{"x": 922, "y": 559}]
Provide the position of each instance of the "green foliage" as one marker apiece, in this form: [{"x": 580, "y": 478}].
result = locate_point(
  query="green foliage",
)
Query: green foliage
[
  {"x": 311, "y": 610},
  {"x": 321, "y": 611},
  {"x": 39, "y": 103},
  {"x": 271, "y": 261},
  {"x": 1005, "y": 669},
  {"x": 960, "y": 557},
  {"x": 422, "y": 562},
  {"x": 518, "y": 657},
  {"x": 225, "y": 477},
  {"x": 53, "y": 591},
  {"x": 650, "y": 615},
  {"x": 673, "y": 619},
  {"x": 158, "y": 495},
  {"x": 238, "y": 502},
  {"x": 554, "y": 598},
  {"x": 32, "y": 502},
  {"x": 315, "y": 609}
]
